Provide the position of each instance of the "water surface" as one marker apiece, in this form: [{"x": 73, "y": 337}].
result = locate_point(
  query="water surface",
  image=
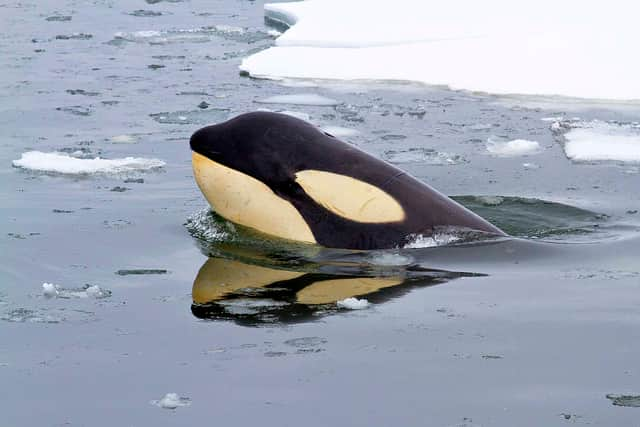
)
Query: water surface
[{"x": 524, "y": 331}]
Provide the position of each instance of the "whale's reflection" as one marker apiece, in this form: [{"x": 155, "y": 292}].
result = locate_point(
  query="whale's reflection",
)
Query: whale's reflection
[{"x": 252, "y": 294}]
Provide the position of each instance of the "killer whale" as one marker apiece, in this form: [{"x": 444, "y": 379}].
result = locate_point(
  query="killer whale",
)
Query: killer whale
[{"x": 285, "y": 177}]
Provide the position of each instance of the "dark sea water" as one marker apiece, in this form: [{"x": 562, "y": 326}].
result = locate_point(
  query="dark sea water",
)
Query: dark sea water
[{"x": 542, "y": 329}]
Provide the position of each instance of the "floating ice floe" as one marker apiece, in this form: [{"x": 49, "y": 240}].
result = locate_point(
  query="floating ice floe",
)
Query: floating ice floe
[
  {"x": 49, "y": 290},
  {"x": 600, "y": 141},
  {"x": 300, "y": 99},
  {"x": 64, "y": 164},
  {"x": 123, "y": 139},
  {"x": 339, "y": 131},
  {"x": 570, "y": 48},
  {"x": 172, "y": 401},
  {"x": 353, "y": 303},
  {"x": 516, "y": 147},
  {"x": 97, "y": 292},
  {"x": 531, "y": 166}
]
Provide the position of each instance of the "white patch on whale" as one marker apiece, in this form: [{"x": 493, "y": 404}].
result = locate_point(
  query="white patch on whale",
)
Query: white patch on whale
[{"x": 349, "y": 197}]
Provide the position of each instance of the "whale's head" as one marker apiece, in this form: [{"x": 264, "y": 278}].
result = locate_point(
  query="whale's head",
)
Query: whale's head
[
  {"x": 246, "y": 168},
  {"x": 267, "y": 146},
  {"x": 286, "y": 177}
]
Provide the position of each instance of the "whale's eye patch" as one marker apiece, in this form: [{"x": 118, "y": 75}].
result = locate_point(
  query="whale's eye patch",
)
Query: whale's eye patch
[{"x": 349, "y": 197}]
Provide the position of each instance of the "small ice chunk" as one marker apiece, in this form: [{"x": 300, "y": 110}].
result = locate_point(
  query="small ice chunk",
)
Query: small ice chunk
[
  {"x": 517, "y": 147},
  {"x": 96, "y": 292},
  {"x": 49, "y": 290},
  {"x": 553, "y": 119},
  {"x": 300, "y": 99},
  {"x": 531, "y": 166},
  {"x": 123, "y": 139},
  {"x": 64, "y": 164},
  {"x": 353, "y": 303},
  {"x": 339, "y": 131},
  {"x": 87, "y": 291},
  {"x": 274, "y": 33},
  {"x": 171, "y": 401},
  {"x": 140, "y": 34}
]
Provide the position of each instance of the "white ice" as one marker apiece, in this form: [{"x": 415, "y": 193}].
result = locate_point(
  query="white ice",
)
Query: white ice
[
  {"x": 602, "y": 141},
  {"x": 517, "y": 147},
  {"x": 123, "y": 139},
  {"x": 64, "y": 164},
  {"x": 172, "y": 401},
  {"x": 353, "y": 303},
  {"x": 339, "y": 131},
  {"x": 49, "y": 290},
  {"x": 570, "y": 48},
  {"x": 300, "y": 99},
  {"x": 95, "y": 291}
]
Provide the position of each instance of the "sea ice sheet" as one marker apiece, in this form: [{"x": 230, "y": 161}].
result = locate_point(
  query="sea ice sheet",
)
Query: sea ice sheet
[
  {"x": 572, "y": 48},
  {"x": 601, "y": 141}
]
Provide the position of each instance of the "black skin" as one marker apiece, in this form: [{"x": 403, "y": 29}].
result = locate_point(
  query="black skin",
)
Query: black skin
[{"x": 272, "y": 147}]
